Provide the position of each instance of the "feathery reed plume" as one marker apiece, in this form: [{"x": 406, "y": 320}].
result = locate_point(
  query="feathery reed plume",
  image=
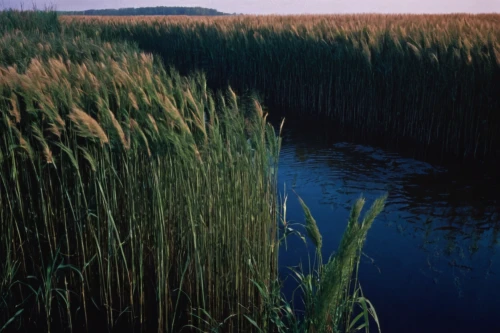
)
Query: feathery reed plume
[
  {"x": 119, "y": 130},
  {"x": 55, "y": 129},
  {"x": 133, "y": 100},
  {"x": 338, "y": 271},
  {"x": 136, "y": 128},
  {"x": 14, "y": 111},
  {"x": 47, "y": 153},
  {"x": 23, "y": 143},
  {"x": 87, "y": 126},
  {"x": 153, "y": 123},
  {"x": 312, "y": 227}
]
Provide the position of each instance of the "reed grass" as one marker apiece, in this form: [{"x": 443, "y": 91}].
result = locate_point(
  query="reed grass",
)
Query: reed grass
[
  {"x": 425, "y": 81},
  {"x": 128, "y": 193},
  {"x": 136, "y": 199},
  {"x": 331, "y": 295}
]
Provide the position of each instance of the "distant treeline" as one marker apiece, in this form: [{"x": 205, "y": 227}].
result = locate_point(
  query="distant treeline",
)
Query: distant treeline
[{"x": 193, "y": 11}]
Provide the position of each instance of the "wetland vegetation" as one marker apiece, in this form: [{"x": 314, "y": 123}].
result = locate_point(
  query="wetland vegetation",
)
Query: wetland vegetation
[
  {"x": 133, "y": 197},
  {"x": 424, "y": 82},
  {"x": 139, "y": 172}
]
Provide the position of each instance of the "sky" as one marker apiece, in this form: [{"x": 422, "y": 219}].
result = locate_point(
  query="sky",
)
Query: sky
[{"x": 279, "y": 6}]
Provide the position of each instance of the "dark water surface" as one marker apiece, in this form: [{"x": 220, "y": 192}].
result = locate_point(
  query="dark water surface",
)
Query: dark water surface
[{"x": 431, "y": 259}]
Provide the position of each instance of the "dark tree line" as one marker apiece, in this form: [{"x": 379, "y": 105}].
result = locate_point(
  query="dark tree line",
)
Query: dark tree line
[{"x": 194, "y": 11}]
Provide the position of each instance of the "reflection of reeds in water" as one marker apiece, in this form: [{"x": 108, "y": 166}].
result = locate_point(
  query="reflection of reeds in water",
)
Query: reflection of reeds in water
[{"x": 458, "y": 253}]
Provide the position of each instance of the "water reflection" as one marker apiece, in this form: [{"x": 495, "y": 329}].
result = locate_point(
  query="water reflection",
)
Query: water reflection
[{"x": 432, "y": 254}]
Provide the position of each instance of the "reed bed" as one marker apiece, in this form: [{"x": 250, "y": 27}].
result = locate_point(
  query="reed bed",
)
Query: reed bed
[
  {"x": 129, "y": 195},
  {"x": 136, "y": 199},
  {"x": 425, "y": 81}
]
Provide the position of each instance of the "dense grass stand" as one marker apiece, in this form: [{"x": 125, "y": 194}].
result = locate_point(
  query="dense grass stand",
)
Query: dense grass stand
[{"x": 132, "y": 197}]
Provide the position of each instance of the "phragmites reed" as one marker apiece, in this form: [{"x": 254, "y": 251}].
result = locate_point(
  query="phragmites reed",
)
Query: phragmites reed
[
  {"x": 133, "y": 198},
  {"x": 425, "y": 83},
  {"x": 312, "y": 227},
  {"x": 331, "y": 290},
  {"x": 87, "y": 126},
  {"x": 130, "y": 197},
  {"x": 337, "y": 276}
]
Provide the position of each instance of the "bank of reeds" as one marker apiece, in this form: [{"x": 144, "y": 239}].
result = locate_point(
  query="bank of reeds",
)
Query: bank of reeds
[
  {"x": 425, "y": 81},
  {"x": 129, "y": 194},
  {"x": 133, "y": 198}
]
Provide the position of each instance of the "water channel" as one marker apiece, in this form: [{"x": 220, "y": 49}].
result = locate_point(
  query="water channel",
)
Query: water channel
[{"x": 431, "y": 261}]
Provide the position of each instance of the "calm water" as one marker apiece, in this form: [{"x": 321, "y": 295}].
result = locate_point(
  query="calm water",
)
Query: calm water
[{"x": 431, "y": 259}]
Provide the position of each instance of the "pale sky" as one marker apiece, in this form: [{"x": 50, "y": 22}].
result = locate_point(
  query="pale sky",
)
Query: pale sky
[{"x": 280, "y": 6}]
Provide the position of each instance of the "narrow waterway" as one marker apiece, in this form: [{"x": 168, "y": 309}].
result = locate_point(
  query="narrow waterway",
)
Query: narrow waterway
[{"x": 431, "y": 261}]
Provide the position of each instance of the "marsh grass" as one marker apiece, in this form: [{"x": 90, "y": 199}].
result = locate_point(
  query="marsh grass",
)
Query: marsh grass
[
  {"x": 128, "y": 193},
  {"x": 423, "y": 82},
  {"x": 134, "y": 198},
  {"x": 330, "y": 292}
]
